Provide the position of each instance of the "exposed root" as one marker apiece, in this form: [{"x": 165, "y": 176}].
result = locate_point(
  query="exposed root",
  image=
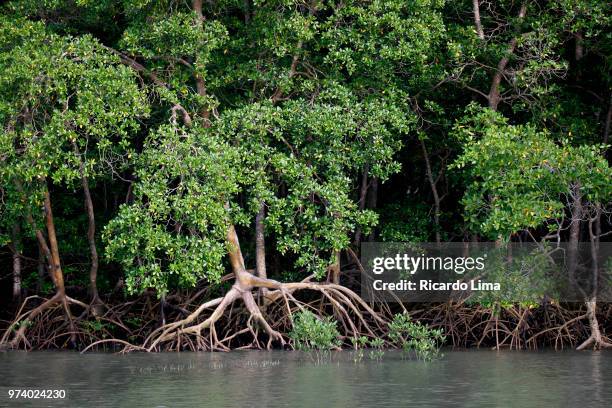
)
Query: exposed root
[
  {"x": 345, "y": 303},
  {"x": 23, "y": 320},
  {"x": 237, "y": 321},
  {"x": 548, "y": 325},
  {"x": 129, "y": 346},
  {"x": 595, "y": 340}
]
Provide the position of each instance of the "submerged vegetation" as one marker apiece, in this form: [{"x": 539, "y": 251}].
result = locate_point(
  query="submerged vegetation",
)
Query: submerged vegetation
[{"x": 190, "y": 175}]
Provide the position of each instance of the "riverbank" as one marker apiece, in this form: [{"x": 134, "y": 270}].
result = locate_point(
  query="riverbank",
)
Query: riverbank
[
  {"x": 275, "y": 379},
  {"x": 130, "y": 325}
]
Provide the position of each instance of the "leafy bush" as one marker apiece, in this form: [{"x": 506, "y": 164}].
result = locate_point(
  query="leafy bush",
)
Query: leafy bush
[
  {"x": 359, "y": 343},
  {"x": 311, "y": 332},
  {"x": 413, "y": 336}
]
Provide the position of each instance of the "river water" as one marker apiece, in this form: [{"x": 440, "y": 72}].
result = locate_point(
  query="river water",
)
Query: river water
[{"x": 291, "y": 379}]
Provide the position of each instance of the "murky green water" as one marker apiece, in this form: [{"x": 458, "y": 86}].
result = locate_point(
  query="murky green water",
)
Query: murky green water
[{"x": 287, "y": 379}]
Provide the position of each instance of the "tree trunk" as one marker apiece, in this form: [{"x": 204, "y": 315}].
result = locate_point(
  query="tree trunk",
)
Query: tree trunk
[
  {"x": 363, "y": 195},
  {"x": 91, "y": 230},
  {"x": 260, "y": 245},
  {"x": 200, "y": 84},
  {"x": 41, "y": 269},
  {"x": 334, "y": 269},
  {"x": 477, "y": 23},
  {"x": 606, "y": 132},
  {"x": 245, "y": 283},
  {"x": 51, "y": 252},
  {"x": 260, "y": 242},
  {"x": 56, "y": 267},
  {"x": 373, "y": 202},
  {"x": 595, "y": 338},
  {"x": 574, "y": 233},
  {"x": 56, "y": 263},
  {"x": 591, "y": 301},
  {"x": 196, "y": 5},
  {"x": 434, "y": 189},
  {"x": 494, "y": 96},
  {"x": 16, "y": 247},
  {"x": 201, "y": 87},
  {"x": 162, "y": 309},
  {"x": 579, "y": 48}
]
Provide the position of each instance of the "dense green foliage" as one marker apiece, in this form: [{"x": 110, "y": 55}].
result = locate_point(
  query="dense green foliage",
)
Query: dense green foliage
[{"x": 520, "y": 177}]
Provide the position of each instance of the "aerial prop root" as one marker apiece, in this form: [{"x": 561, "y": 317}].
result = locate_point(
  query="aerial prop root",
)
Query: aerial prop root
[
  {"x": 515, "y": 327},
  {"x": 23, "y": 320},
  {"x": 596, "y": 339},
  {"x": 349, "y": 308}
]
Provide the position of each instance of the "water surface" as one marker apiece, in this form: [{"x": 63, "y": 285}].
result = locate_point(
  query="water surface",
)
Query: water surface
[{"x": 291, "y": 379}]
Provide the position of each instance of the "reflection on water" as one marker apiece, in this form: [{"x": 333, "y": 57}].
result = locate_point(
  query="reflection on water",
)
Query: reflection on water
[{"x": 287, "y": 379}]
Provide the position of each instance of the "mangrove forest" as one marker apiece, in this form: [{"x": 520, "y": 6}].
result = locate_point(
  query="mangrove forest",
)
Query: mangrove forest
[{"x": 211, "y": 175}]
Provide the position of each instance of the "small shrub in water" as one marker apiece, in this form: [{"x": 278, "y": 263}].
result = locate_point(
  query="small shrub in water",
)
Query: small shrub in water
[
  {"x": 377, "y": 351},
  {"x": 413, "y": 336},
  {"x": 359, "y": 343},
  {"x": 312, "y": 333}
]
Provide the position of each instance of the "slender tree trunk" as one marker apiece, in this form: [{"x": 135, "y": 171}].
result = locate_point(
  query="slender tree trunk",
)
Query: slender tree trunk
[
  {"x": 363, "y": 196},
  {"x": 579, "y": 48},
  {"x": 434, "y": 190},
  {"x": 577, "y": 214},
  {"x": 574, "y": 232},
  {"x": 510, "y": 252},
  {"x": 91, "y": 230},
  {"x": 260, "y": 245},
  {"x": 334, "y": 269},
  {"x": 51, "y": 252},
  {"x": 373, "y": 202},
  {"x": 477, "y": 23},
  {"x": 197, "y": 7},
  {"x": 201, "y": 87},
  {"x": 594, "y": 235},
  {"x": 56, "y": 263},
  {"x": 162, "y": 309},
  {"x": 596, "y": 339},
  {"x": 606, "y": 132},
  {"x": 16, "y": 247},
  {"x": 234, "y": 251},
  {"x": 41, "y": 269},
  {"x": 200, "y": 84},
  {"x": 494, "y": 96},
  {"x": 56, "y": 267},
  {"x": 260, "y": 242}
]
